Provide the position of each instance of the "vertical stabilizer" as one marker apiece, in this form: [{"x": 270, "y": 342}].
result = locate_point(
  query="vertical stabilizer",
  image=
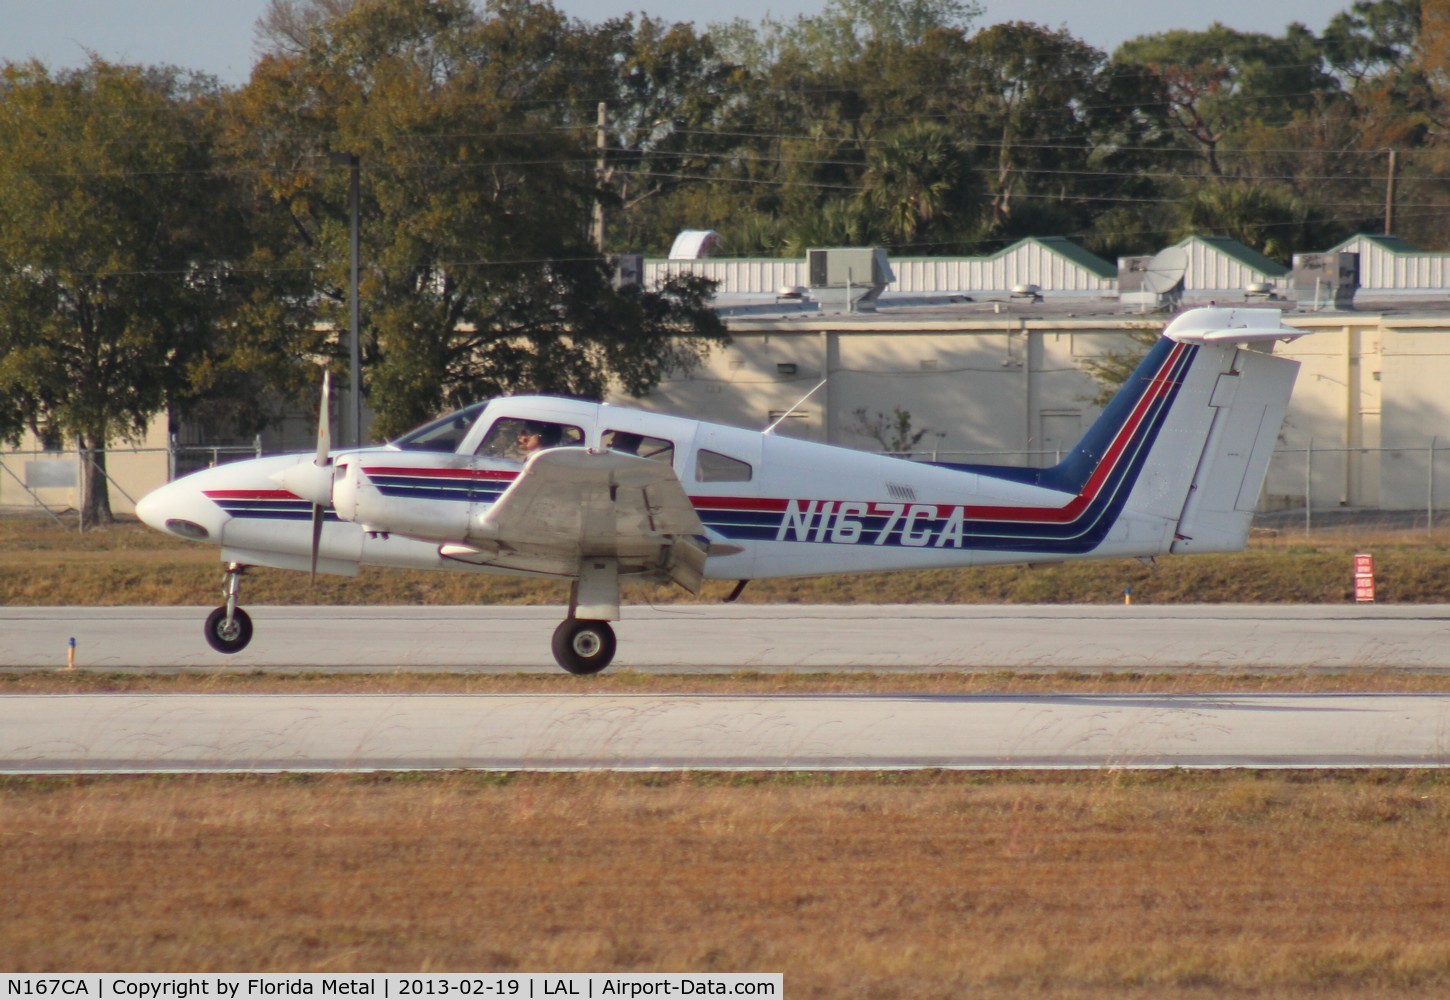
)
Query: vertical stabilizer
[
  {"x": 1248, "y": 403},
  {"x": 1242, "y": 396}
]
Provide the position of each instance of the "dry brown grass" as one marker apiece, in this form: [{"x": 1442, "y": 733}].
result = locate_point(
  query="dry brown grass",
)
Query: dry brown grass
[
  {"x": 41, "y": 564},
  {"x": 926, "y": 885}
]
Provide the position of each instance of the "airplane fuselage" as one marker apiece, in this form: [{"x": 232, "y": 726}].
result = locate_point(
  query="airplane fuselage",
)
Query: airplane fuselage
[
  {"x": 790, "y": 507},
  {"x": 597, "y": 494}
]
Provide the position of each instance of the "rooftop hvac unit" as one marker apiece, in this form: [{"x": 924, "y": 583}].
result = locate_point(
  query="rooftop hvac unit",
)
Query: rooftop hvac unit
[
  {"x": 1326, "y": 279},
  {"x": 848, "y": 278}
]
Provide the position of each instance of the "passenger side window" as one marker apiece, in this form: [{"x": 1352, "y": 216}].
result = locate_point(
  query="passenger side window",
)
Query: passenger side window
[
  {"x": 640, "y": 444},
  {"x": 713, "y": 467}
]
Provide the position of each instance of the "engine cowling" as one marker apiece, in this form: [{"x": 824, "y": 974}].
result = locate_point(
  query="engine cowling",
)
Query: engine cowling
[
  {"x": 307, "y": 480},
  {"x": 394, "y": 501}
]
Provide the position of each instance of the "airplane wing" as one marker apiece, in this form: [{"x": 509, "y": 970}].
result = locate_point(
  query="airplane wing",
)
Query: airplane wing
[{"x": 571, "y": 504}]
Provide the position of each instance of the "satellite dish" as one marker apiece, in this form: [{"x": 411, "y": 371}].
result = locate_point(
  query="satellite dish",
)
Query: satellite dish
[{"x": 1165, "y": 271}]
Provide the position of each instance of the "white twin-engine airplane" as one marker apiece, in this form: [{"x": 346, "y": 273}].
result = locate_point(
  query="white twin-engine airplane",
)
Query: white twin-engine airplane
[{"x": 1173, "y": 465}]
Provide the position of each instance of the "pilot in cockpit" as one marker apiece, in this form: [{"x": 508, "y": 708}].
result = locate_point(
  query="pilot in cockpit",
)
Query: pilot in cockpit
[
  {"x": 536, "y": 436},
  {"x": 515, "y": 440}
]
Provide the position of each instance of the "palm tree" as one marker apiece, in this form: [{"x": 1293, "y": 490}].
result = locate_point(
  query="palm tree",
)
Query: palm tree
[
  {"x": 1270, "y": 219},
  {"x": 920, "y": 184}
]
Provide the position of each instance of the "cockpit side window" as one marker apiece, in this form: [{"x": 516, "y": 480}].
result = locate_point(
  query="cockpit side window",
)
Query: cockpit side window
[
  {"x": 444, "y": 434},
  {"x": 713, "y": 467},
  {"x": 640, "y": 444},
  {"x": 514, "y": 439}
]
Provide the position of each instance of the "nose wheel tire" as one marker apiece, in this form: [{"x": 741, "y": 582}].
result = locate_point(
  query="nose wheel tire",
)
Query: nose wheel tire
[
  {"x": 228, "y": 636},
  {"x": 582, "y": 646}
]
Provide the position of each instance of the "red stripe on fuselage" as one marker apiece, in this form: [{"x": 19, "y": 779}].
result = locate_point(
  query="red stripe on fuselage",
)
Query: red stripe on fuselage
[
  {"x": 767, "y": 504},
  {"x": 495, "y": 475},
  {"x": 249, "y": 495},
  {"x": 1155, "y": 391}
]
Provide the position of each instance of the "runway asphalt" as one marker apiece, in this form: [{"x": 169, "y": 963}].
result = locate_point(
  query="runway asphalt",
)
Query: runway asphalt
[
  {"x": 104, "y": 733},
  {"x": 703, "y": 638}
]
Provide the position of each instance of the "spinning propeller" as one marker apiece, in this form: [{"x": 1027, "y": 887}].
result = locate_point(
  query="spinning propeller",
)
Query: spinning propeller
[{"x": 313, "y": 480}]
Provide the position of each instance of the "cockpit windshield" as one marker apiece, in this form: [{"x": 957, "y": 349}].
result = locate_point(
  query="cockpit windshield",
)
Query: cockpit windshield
[{"x": 444, "y": 434}]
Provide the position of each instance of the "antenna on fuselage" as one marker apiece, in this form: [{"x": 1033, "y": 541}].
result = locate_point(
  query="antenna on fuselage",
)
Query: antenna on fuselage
[{"x": 794, "y": 406}]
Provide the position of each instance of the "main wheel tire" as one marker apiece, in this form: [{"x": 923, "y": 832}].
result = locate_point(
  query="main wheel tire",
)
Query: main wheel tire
[
  {"x": 228, "y": 637},
  {"x": 582, "y": 646}
]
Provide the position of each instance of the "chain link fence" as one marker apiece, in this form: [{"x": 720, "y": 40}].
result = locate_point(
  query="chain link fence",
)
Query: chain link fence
[
  {"x": 50, "y": 481},
  {"x": 1307, "y": 488}
]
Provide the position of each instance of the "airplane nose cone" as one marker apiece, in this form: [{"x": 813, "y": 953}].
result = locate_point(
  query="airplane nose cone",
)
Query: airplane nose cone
[
  {"x": 180, "y": 509},
  {"x": 151, "y": 509}
]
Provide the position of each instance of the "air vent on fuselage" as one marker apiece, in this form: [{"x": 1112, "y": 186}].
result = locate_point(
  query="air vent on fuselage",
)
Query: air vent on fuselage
[{"x": 900, "y": 492}]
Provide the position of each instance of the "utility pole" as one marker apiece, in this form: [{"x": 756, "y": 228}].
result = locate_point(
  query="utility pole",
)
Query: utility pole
[
  {"x": 1390, "y": 195},
  {"x": 601, "y": 144}
]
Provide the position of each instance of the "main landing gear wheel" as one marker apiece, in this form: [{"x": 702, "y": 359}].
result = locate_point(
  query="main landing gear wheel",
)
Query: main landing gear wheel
[
  {"x": 228, "y": 636},
  {"x": 582, "y": 646}
]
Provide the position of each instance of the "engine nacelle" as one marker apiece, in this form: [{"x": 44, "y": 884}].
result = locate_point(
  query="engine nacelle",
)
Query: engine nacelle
[{"x": 383, "y": 504}]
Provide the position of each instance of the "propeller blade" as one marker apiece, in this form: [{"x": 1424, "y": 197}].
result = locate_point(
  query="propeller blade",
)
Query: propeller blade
[
  {"x": 322, "y": 461},
  {"x": 324, "y": 423},
  {"x": 317, "y": 516}
]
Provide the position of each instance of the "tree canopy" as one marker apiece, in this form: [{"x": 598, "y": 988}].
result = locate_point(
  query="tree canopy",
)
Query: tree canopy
[
  {"x": 120, "y": 245},
  {"x": 167, "y": 242}
]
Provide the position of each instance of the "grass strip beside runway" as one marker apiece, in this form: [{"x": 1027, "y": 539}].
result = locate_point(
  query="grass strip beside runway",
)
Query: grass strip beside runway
[
  {"x": 129, "y": 564},
  {"x": 925, "y": 885}
]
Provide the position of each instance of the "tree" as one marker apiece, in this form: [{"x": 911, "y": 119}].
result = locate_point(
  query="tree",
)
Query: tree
[
  {"x": 1031, "y": 98},
  {"x": 1269, "y": 219},
  {"x": 1214, "y": 85},
  {"x": 475, "y": 135},
  {"x": 668, "y": 94},
  {"x": 114, "y": 253},
  {"x": 1373, "y": 38},
  {"x": 920, "y": 183},
  {"x": 816, "y": 97},
  {"x": 895, "y": 434},
  {"x": 1113, "y": 369}
]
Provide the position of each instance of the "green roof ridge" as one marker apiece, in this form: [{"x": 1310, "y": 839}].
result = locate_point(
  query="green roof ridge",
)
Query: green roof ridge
[
  {"x": 1060, "y": 245},
  {"x": 1392, "y": 244},
  {"x": 1245, "y": 255}
]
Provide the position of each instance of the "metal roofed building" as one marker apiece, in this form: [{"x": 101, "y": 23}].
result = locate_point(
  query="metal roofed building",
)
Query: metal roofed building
[
  {"x": 1222, "y": 267},
  {"x": 1390, "y": 265},
  {"x": 1218, "y": 267},
  {"x": 1053, "y": 264}
]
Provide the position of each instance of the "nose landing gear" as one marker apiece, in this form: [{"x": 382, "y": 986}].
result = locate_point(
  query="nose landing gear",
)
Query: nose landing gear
[{"x": 228, "y": 628}]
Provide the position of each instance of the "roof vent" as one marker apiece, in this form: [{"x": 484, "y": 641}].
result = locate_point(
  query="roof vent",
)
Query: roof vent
[{"x": 692, "y": 244}]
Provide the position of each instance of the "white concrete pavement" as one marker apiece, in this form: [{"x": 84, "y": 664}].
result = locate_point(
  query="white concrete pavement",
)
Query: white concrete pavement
[{"x": 190, "y": 733}]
